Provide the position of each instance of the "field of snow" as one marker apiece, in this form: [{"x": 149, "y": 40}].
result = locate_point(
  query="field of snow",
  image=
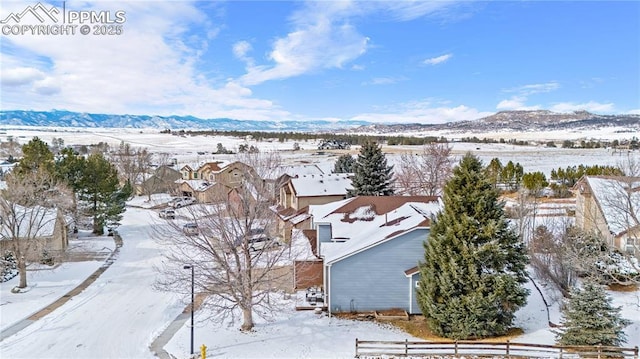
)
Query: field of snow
[
  {"x": 121, "y": 313},
  {"x": 197, "y": 149}
]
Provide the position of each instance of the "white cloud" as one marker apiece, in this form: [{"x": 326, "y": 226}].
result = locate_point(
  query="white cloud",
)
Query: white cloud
[
  {"x": 515, "y": 103},
  {"x": 240, "y": 50},
  {"x": 423, "y": 112},
  {"x": 384, "y": 80},
  {"x": 590, "y": 106},
  {"x": 634, "y": 112},
  {"x": 149, "y": 69},
  {"x": 19, "y": 76},
  {"x": 522, "y": 93},
  {"x": 322, "y": 38},
  {"x": 437, "y": 60},
  {"x": 531, "y": 89}
]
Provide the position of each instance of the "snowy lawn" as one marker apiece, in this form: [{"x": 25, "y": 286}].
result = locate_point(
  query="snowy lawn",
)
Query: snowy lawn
[
  {"x": 291, "y": 334},
  {"x": 47, "y": 284},
  {"x": 305, "y": 334}
]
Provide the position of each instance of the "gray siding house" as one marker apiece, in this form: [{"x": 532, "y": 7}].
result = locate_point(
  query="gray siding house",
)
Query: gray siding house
[
  {"x": 370, "y": 247},
  {"x": 374, "y": 278}
]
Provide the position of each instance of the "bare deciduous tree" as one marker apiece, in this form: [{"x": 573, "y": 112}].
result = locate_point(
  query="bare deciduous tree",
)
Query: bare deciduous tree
[
  {"x": 29, "y": 209},
  {"x": 239, "y": 262},
  {"x": 425, "y": 173},
  {"x": 132, "y": 163}
]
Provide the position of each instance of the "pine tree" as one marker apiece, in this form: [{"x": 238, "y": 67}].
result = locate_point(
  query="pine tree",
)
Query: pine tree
[
  {"x": 101, "y": 192},
  {"x": 474, "y": 266},
  {"x": 372, "y": 176},
  {"x": 36, "y": 157},
  {"x": 591, "y": 320},
  {"x": 344, "y": 164}
]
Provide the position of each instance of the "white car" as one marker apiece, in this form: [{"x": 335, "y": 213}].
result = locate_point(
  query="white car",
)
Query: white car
[
  {"x": 263, "y": 243},
  {"x": 190, "y": 229},
  {"x": 167, "y": 213},
  {"x": 182, "y": 201}
]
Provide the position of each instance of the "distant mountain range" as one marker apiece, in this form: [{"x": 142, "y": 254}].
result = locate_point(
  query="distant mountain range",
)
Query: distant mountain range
[
  {"x": 520, "y": 121},
  {"x": 91, "y": 120}
]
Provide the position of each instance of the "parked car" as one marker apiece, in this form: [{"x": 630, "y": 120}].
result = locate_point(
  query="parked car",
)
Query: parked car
[
  {"x": 190, "y": 229},
  {"x": 181, "y": 202},
  {"x": 167, "y": 213},
  {"x": 262, "y": 243}
]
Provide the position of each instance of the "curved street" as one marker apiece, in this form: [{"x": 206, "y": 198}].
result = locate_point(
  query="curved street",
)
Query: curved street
[{"x": 117, "y": 316}]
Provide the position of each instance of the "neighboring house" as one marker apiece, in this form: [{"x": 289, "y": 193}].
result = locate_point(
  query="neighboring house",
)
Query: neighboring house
[
  {"x": 161, "y": 181},
  {"x": 276, "y": 178},
  {"x": 610, "y": 206},
  {"x": 213, "y": 181},
  {"x": 299, "y": 192},
  {"x": 369, "y": 247},
  {"x": 42, "y": 229}
]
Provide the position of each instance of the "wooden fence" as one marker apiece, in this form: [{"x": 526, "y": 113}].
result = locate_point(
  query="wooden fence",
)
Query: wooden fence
[{"x": 368, "y": 349}]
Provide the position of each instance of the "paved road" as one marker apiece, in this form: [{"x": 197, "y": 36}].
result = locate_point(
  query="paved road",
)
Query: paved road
[{"x": 117, "y": 316}]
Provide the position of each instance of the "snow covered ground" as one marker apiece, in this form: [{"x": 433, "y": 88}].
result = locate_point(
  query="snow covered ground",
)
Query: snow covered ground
[
  {"x": 121, "y": 313},
  {"x": 46, "y": 284},
  {"x": 197, "y": 149}
]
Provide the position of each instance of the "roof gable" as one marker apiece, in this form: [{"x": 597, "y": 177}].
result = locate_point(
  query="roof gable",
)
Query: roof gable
[
  {"x": 362, "y": 227},
  {"x": 618, "y": 199}
]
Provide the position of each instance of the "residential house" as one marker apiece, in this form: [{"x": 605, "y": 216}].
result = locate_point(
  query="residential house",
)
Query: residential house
[
  {"x": 276, "y": 178},
  {"x": 370, "y": 247},
  {"x": 610, "y": 206},
  {"x": 213, "y": 181},
  {"x": 298, "y": 193},
  {"x": 161, "y": 181},
  {"x": 38, "y": 229}
]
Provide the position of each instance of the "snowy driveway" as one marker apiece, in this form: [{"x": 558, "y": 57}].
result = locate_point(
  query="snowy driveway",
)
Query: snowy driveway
[{"x": 116, "y": 317}]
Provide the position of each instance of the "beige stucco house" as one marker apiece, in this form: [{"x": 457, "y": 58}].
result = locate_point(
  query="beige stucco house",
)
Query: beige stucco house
[
  {"x": 610, "y": 206},
  {"x": 212, "y": 181},
  {"x": 36, "y": 230},
  {"x": 298, "y": 193}
]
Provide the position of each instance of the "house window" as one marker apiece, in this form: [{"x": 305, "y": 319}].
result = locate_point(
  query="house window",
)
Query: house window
[{"x": 195, "y": 175}]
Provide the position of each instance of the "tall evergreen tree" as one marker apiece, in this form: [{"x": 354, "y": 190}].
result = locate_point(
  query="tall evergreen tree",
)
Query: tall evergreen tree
[
  {"x": 36, "y": 157},
  {"x": 101, "y": 193},
  {"x": 372, "y": 176},
  {"x": 69, "y": 168},
  {"x": 344, "y": 164},
  {"x": 474, "y": 268},
  {"x": 590, "y": 319}
]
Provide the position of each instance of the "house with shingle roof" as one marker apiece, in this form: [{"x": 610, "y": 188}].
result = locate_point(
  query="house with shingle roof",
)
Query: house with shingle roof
[
  {"x": 369, "y": 247},
  {"x": 298, "y": 193},
  {"x": 36, "y": 229},
  {"x": 610, "y": 207},
  {"x": 212, "y": 181}
]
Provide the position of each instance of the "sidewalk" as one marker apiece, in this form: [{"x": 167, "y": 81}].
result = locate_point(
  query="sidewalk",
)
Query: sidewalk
[{"x": 15, "y": 328}]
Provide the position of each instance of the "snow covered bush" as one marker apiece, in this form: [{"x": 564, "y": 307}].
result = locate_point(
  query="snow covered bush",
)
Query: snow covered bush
[{"x": 8, "y": 267}]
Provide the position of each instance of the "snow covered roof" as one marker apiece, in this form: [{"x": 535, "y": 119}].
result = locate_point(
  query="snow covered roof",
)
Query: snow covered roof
[
  {"x": 214, "y": 166},
  {"x": 618, "y": 199},
  {"x": 196, "y": 185},
  {"x": 333, "y": 184},
  {"x": 362, "y": 222},
  {"x": 30, "y": 222}
]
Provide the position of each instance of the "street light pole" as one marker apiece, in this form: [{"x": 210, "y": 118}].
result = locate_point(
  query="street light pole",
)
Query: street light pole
[{"x": 191, "y": 266}]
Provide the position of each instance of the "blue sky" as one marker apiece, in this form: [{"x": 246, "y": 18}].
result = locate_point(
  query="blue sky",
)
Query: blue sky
[{"x": 381, "y": 61}]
